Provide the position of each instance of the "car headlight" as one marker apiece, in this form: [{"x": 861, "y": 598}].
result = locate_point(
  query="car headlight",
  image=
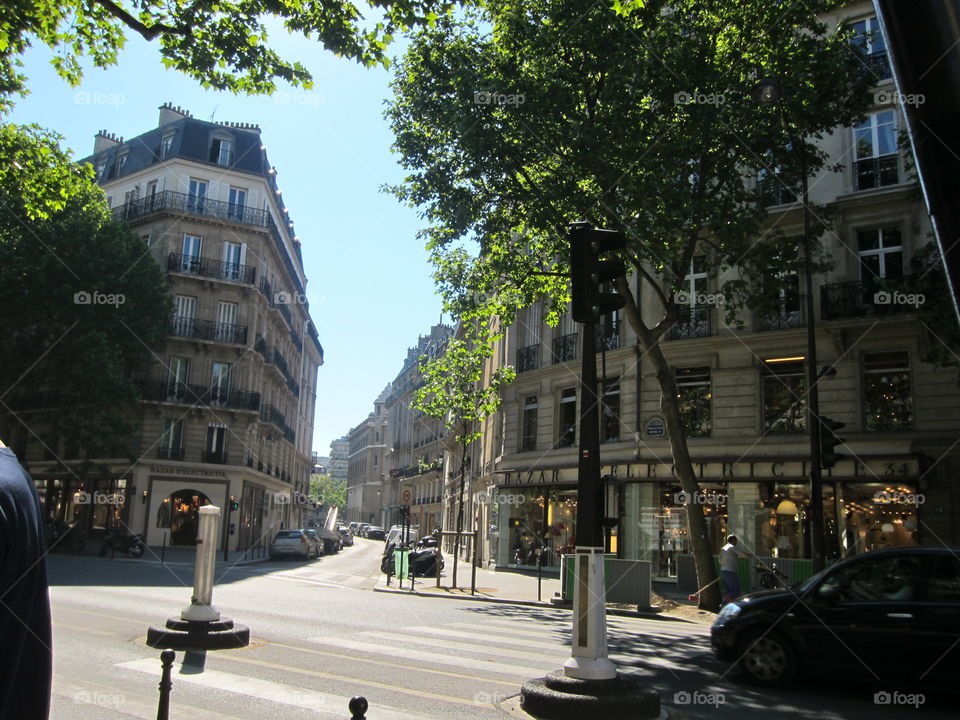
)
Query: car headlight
[{"x": 727, "y": 612}]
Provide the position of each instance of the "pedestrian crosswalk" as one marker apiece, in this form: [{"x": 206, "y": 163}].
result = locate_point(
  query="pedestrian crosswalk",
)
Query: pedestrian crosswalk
[{"x": 461, "y": 669}]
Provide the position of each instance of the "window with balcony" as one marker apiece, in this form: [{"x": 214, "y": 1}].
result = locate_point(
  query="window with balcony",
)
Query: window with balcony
[
  {"x": 784, "y": 396},
  {"x": 695, "y": 397},
  {"x": 171, "y": 440},
  {"x": 880, "y": 251},
  {"x": 190, "y": 255},
  {"x": 215, "y": 450},
  {"x": 610, "y": 418},
  {"x": 608, "y": 331},
  {"x": 868, "y": 37},
  {"x": 237, "y": 201},
  {"x": 178, "y": 376},
  {"x": 528, "y": 423},
  {"x": 694, "y": 319},
  {"x": 774, "y": 189},
  {"x": 781, "y": 308},
  {"x": 220, "y": 384},
  {"x": 196, "y": 195},
  {"x": 567, "y": 424},
  {"x": 876, "y": 162},
  {"x": 887, "y": 395}
]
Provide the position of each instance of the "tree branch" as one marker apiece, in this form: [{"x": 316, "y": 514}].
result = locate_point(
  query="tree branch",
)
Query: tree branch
[{"x": 148, "y": 33}]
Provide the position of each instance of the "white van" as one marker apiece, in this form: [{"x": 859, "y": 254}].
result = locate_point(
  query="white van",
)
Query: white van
[{"x": 396, "y": 532}]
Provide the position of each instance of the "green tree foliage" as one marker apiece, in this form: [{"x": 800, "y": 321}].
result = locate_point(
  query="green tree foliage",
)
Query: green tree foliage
[
  {"x": 221, "y": 43},
  {"x": 85, "y": 304},
  {"x": 517, "y": 119},
  {"x": 327, "y": 491}
]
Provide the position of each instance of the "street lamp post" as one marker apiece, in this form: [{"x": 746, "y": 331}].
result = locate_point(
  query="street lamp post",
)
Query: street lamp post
[{"x": 768, "y": 94}]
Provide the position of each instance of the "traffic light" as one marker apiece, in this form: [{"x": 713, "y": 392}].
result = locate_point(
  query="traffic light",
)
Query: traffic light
[
  {"x": 589, "y": 271},
  {"x": 829, "y": 441},
  {"x": 234, "y": 505},
  {"x": 232, "y": 529}
]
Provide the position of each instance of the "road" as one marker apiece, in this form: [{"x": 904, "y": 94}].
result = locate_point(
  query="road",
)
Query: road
[{"x": 319, "y": 636}]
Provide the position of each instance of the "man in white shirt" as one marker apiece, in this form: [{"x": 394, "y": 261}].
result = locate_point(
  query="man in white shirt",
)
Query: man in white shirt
[{"x": 728, "y": 569}]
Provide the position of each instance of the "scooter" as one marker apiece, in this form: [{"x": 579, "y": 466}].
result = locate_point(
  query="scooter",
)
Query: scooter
[{"x": 114, "y": 540}]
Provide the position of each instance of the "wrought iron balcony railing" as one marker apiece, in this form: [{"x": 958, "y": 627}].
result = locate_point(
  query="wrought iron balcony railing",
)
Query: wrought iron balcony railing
[
  {"x": 527, "y": 358},
  {"x": 216, "y": 457},
  {"x": 608, "y": 334},
  {"x": 773, "y": 191},
  {"x": 693, "y": 323},
  {"x": 867, "y": 298},
  {"x": 565, "y": 348},
  {"x": 270, "y": 414},
  {"x": 876, "y": 172},
  {"x": 189, "y": 394},
  {"x": 181, "y": 202},
  {"x": 187, "y": 327},
  {"x": 785, "y": 319},
  {"x": 168, "y": 453},
  {"x": 205, "y": 267}
]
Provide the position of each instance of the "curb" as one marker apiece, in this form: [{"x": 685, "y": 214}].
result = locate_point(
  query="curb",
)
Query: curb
[{"x": 646, "y": 614}]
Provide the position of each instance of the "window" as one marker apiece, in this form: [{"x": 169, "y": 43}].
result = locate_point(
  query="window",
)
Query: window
[
  {"x": 870, "y": 580},
  {"x": 220, "y": 384},
  {"x": 875, "y": 151},
  {"x": 693, "y": 320},
  {"x": 568, "y": 418},
  {"x": 215, "y": 450},
  {"x": 152, "y": 194},
  {"x": 784, "y": 398},
  {"x": 608, "y": 330},
  {"x": 867, "y": 36},
  {"x": 171, "y": 440},
  {"x": 179, "y": 373},
  {"x": 146, "y": 238},
  {"x": 695, "y": 398},
  {"x": 221, "y": 151},
  {"x": 131, "y": 195},
  {"x": 185, "y": 311},
  {"x": 101, "y": 169},
  {"x": 196, "y": 195},
  {"x": 190, "y": 257},
  {"x": 887, "y": 397},
  {"x": 774, "y": 189},
  {"x": 881, "y": 253},
  {"x": 166, "y": 145},
  {"x": 237, "y": 203},
  {"x": 233, "y": 261},
  {"x": 781, "y": 303},
  {"x": 119, "y": 164},
  {"x": 610, "y": 420}
]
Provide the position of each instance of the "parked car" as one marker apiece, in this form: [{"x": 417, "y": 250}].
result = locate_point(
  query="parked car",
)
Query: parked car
[
  {"x": 302, "y": 543},
  {"x": 354, "y": 528},
  {"x": 362, "y": 532},
  {"x": 893, "y": 613},
  {"x": 396, "y": 533},
  {"x": 346, "y": 537},
  {"x": 375, "y": 532}
]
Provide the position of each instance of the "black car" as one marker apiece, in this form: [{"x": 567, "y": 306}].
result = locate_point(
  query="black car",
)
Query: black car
[
  {"x": 375, "y": 532},
  {"x": 891, "y": 614}
]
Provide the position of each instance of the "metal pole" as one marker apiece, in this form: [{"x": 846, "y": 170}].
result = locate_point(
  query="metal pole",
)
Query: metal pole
[
  {"x": 589, "y": 530},
  {"x": 813, "y": 393},
  {"x": 539, "y": 571},
  {"x": 226, "y": 530},
  {"x": 473, "y": 571},
  {"x": 166, "y": 663},
  {"x": 163, "y": 548}
]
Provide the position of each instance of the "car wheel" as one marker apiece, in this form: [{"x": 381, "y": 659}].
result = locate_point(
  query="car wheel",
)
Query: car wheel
[{"x": 767, "y": 658}]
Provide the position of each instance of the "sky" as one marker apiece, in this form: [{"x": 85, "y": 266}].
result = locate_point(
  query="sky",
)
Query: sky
[{"x": 369, "y": 279}]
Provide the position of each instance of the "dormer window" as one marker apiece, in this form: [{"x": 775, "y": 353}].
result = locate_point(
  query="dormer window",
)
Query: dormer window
[
  {"x": 166, "y": 145},
  {"x": 221, "y": 151},
  {"x": 120, "y": 163}
]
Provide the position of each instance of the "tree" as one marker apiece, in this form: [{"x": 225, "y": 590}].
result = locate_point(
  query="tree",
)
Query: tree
[
  {"x": 85, "y": 305},
  {"x": 516, "y": 120},
  {"x": 222, "y": 44},
  {"x": 327, "y": 491},
  {"x": 457, "y": 390}
]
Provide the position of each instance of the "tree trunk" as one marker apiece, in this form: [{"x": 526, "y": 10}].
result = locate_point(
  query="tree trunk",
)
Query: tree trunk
[
  {"x": 456, "y": 539},
  {"x": 709, "y": 598}
]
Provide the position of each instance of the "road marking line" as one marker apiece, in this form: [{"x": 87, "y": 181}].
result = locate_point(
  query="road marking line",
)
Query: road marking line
[
  {"x": 513, "y": 630},
  {"x": 80, "y": 628},
  {"x": 345, "y": 678},
  {"x": 388, "y": 663},
  {"x": 475, "y": 648},
  {"x": 427, "y": 630},
  {"x": 139, "y": 704},
  {"x": 333, "y": 705},
  {"x": 437, "y": 658},
  {"x": 112, "y": 618}
]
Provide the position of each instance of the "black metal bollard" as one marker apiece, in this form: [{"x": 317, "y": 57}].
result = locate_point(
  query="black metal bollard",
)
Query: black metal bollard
[
  {"x": 358, "y": 708},
  {"x": 166, "y": 662}
]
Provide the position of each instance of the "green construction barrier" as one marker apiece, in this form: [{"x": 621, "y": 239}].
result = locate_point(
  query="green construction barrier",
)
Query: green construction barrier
[
  {"x": 568, "y": 562},
  {"x": 401, "y": 564}
]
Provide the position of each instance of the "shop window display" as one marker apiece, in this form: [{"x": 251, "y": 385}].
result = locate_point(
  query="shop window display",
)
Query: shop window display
[{"x": 544, "y": 516}]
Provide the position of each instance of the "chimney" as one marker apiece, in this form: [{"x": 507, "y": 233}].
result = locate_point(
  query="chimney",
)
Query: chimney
[
  {"x": 104, "y": 141},
  {"x": 170, "y": 113}
]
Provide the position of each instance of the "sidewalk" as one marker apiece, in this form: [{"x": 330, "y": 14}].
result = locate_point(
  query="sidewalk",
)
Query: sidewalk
[
  {"x": 505, "y": 586},
  {"x": 178, "y": 556}
]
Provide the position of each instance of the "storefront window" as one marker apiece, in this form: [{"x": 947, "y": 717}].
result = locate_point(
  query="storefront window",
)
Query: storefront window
[{"x": 537, "y": 516}]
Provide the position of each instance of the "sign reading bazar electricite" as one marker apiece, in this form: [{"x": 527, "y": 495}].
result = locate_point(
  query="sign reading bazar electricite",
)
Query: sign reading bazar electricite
[{"x": 864, "y": 470}]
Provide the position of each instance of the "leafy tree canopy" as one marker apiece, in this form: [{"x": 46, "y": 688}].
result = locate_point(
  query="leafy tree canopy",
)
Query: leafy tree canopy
[
  {"x": 221, "y": 43},
  {"x": 324, "y": 489},
  {"x": 86, "y": 303}
]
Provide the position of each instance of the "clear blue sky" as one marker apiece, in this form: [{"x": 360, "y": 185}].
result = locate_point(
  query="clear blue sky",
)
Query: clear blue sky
[{"x": 369, "y": 283}]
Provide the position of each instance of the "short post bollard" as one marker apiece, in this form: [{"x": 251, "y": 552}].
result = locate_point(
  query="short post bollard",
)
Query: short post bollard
[
  {"x": 166, "y": 663},
  {"x": 358, "y": 708}
]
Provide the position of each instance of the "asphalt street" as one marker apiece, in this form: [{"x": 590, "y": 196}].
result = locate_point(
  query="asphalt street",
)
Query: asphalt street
[{"x": 320, "y": 635}]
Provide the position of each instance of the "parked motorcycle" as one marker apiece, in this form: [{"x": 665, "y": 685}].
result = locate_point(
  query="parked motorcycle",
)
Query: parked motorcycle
[
  {"x": 117, "y": 540},
  {"x": 422, "y": 561}
]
